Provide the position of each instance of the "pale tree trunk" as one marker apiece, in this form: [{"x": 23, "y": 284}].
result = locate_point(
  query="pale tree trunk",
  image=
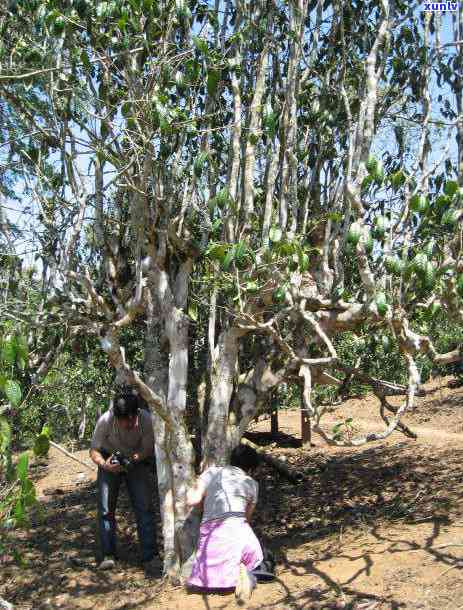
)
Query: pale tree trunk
[
  {"x": 223, "y": 376},
  {"x": 174, "y": 450}
]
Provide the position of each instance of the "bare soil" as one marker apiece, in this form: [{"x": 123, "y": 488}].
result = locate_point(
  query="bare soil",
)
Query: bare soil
[{"x": 377, "y": 527}]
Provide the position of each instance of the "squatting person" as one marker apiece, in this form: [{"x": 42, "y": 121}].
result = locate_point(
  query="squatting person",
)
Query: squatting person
[
  {"x": 123, "y": 449},
  {"x": 228, "y": 550}
]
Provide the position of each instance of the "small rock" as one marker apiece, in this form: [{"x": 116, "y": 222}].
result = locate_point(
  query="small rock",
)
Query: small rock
[{"x": 61, "y": 600}]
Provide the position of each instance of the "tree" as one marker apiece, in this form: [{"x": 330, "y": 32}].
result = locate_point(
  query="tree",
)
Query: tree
[{"x": 217, "y": 173}]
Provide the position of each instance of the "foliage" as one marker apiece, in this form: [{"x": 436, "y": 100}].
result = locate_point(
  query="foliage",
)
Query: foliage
[{"x": 17, "y": 491}]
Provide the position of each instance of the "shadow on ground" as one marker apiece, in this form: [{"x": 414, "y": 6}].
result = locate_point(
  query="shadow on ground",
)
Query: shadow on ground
[{"x": 405, "y": 483}]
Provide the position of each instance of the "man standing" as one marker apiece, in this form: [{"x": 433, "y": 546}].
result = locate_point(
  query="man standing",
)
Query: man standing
[{"x": 123, "y": 447}]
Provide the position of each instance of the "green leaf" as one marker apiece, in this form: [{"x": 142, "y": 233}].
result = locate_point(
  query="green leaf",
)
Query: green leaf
[
  {"x": 213, "y": 78},
  {"x": 450, "y": 217},
  {"x": 419, "y": 262},
  {"x": 5, "y": 435},
  {"x": 19, "y": 512},
  {"x": 366, "y": 182},
  {"x": 450, "y": 187},
  {"x": 13, "y": 392},
  {"x": 243, "y": 256},
  {"x": 429, "y": 276},
  {"x": 9, "y": 351},
  {"x": 379, "y": 227},
  {"x": 434, "y": 309},
  {"x": 251, "y": 287},
  {"x": 269, "y": 120},
  {"x": 182, "y": 9},
  {"x": 217, "y": 251},
  {"x": 200, "y": 44},
  {"x": 22, "y": 347},
  {"x": 275, "y": 234},
  {"x": 367, "y": 240},
  {"x": 303, "y": 261},
  {"x": 22, "y": 466},
  {"x": 334, "y": 216},
  {"x": 122, "y": 23},
  {"x": 394, "y": 265},
  {"x": 84, "y": 58},
  {"x": 443, "y": 201},
  {"x": 278, "y": 295},
  {"x": 126, "y": 109},
  {"x": 28, "y": 495},
  {"x": 41, "y": 445},
  {"x": 459, "y": 285},
  {"x": 354, "y": 234},
  {"x": 386, "y": 343},
  {"x": 102, "y": 9},
  {"x": 381, "y": 304},
  {"x": 429, "y": 248},
  {"x": 372, "y": 164},
  {"x": 200, "y": 163},
  {"x": 397, "y": 179},
  {"x": 228, "y": 258},
  {"x": 419, "y": 204},
  {"x": 180, "y": 81},
  {"x": 3, "y": 380},
  {"x": 223, "y": 197},
  {"x": 379, "y": 173}
]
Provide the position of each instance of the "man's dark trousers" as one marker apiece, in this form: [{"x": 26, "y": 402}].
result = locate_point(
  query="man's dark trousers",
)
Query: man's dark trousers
[{"x": 140, "y": 486}]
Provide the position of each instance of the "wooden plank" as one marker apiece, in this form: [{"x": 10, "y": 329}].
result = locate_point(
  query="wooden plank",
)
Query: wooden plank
[
  {"x": 274, "y": 422},
  {"x": 306, "y": 431}
]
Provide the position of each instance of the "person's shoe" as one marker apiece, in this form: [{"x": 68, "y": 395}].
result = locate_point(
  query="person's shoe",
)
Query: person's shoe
[
  {"x": 244, "y": 586},
  {"x": 108, "y": 563},
  {"x": 153, "y": 567}
]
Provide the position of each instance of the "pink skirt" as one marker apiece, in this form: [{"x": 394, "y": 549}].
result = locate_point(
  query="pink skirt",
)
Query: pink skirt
[{"x": 224, "y": 544}]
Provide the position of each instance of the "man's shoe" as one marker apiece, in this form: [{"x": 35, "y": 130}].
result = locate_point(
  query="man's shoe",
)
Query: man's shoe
[
  {"x": 108, "y": 563},
  {"x": 153, "y": 568},
  {"x": 244, "y": 586}
]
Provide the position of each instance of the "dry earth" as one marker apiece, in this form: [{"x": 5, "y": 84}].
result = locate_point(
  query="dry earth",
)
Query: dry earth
[{"x": 372, "y": 528}]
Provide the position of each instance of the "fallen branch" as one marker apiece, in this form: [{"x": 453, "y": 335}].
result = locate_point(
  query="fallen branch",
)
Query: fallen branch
[
  {"x": 400, "y": 426},
  {"x": 295, "y": 476},
  {"x": 387, "y": 388},
  {"x": 73, "y": 457}
]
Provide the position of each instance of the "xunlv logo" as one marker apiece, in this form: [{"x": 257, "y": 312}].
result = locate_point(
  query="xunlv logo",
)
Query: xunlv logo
[{"x": 440, "y": 7}]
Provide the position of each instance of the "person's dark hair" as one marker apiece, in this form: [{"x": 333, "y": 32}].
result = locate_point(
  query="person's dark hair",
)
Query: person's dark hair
[
  {"x": 244, "y": 457},
  {"x": 126, "y": 405}
]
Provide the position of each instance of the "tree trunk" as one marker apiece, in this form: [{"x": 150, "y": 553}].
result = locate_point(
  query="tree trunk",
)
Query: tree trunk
[
  {"x": 223, "y": 373},
  {"x": 306, "y": 431},
  {"x": 173, "y": 447},
  {"x": 274, "y": 423}
]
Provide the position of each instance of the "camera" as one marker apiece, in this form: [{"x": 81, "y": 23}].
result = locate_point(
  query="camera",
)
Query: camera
[{"x": 121, "y": 460}]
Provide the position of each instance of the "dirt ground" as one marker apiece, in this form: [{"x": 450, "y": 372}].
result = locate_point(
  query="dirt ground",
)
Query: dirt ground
[{"x": 378, "y": 527}]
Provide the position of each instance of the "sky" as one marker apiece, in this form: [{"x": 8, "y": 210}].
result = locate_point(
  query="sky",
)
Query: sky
[{"x": 18, "y": 214}]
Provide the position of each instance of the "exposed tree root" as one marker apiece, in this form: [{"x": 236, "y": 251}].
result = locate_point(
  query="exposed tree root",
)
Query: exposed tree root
[{"x": 293, "y": 475}]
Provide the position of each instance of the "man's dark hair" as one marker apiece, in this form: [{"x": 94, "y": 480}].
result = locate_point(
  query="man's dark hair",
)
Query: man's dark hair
[
  {"x": 126, "y": 405},
  {"x": 244, "y": 457}
]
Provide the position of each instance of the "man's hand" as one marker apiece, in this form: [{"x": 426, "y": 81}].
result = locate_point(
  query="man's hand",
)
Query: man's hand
[{"x": 114, "y": 468}]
